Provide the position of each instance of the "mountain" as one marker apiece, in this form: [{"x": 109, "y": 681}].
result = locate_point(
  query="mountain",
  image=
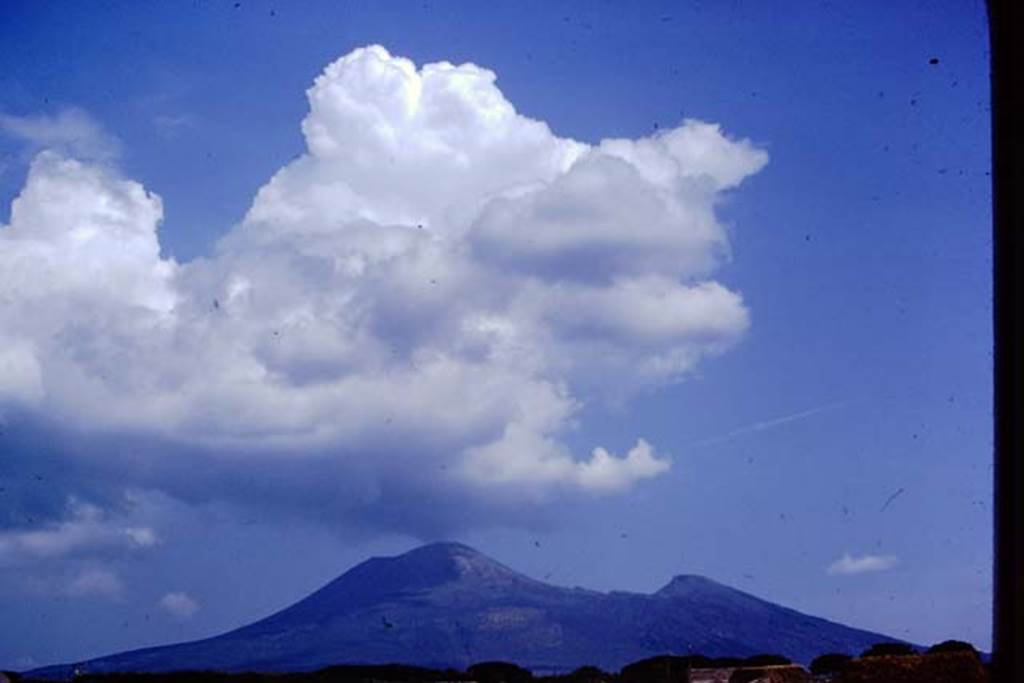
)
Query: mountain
[{"x": 446, "y": 604}]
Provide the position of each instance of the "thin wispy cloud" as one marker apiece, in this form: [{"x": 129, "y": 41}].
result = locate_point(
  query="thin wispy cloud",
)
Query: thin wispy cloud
[
  {"x": 171, "y": 125},
  {"x": 71, "y": 131},
  {"x": 95, "y": 582},
  {"x": 78, "y": 579},
  {"x": 852, "y": 564},
  {"x": 87, "y": 530},
  {"x": 763, "y": 425}
]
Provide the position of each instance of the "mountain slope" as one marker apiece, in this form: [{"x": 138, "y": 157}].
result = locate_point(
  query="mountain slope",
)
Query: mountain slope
[{"x": 446, "y": 604}]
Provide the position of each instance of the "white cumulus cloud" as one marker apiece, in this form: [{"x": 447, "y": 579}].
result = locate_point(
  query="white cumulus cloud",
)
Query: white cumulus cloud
[
  {"x": 852, "y": 564},
  {"x": 438, "y": 284},
  {"x": 178, "y": 604}
]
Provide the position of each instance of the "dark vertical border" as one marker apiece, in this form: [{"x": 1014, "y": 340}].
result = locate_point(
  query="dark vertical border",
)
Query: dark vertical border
[{"x": 1008, "y": 312}]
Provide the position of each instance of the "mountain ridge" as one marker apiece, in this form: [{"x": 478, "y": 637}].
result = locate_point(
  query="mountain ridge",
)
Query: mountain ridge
[{"x": 448, "y": 605}]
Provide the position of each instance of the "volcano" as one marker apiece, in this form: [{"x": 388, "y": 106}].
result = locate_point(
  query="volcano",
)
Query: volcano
[{"x": 447, "y": 605}]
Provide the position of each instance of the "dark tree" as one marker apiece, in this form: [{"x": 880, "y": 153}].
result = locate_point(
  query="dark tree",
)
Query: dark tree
[
  {"x": 889, "y": 650},
  {"x": 663, "y": 669},
  {"x": 830, "y": 663},
  {"x": 726, "y": 662},
  {"x": 700, "y": 661},
  {"x": 767, "y": 660},
  {"x": 499, "y": 672},
  {"x": 588, "y": 674},
  {"x": 954, "y": 646}
]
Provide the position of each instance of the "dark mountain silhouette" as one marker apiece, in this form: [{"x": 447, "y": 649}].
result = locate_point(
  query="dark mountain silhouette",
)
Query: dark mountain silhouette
[{"x": 447, "y": 605}]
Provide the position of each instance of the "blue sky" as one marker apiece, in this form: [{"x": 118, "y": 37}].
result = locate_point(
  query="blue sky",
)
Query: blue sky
[{"x": 829, "y": 435}]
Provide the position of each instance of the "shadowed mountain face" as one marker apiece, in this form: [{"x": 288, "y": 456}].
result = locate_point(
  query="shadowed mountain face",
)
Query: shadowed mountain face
[{"x": 446, "y": 604}]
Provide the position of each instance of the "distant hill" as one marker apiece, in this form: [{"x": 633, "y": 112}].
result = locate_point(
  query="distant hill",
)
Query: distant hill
[{"x": 447, "y": 605}]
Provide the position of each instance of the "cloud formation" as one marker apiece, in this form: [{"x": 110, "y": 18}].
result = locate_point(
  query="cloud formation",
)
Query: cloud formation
[
  {"x": 180, "y": 605},
  {"x": 71, "y": 131},
  {"x": 850, "y": 564},
  {"x": 95, "y": 582},
  {"x": 87, "y": 530},
  {"x": 432, "y": 292}
]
